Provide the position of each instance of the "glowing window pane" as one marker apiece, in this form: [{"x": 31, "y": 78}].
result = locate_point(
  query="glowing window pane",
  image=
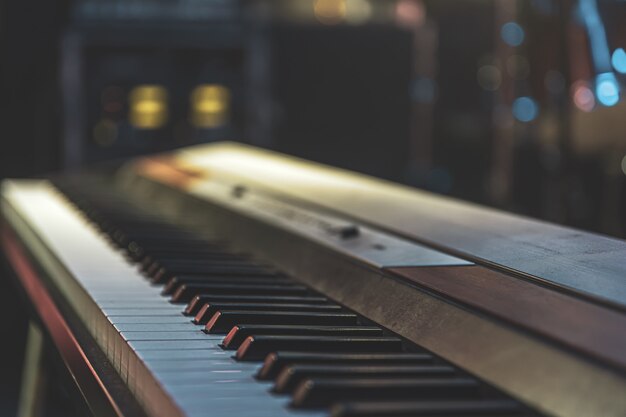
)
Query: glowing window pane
[
  {"x": 210, "y": 106},
  {"x": 148, "y": 106}
]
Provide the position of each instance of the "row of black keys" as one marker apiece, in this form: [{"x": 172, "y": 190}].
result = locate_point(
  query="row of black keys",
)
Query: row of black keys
[{"x": 313, "y": 349}]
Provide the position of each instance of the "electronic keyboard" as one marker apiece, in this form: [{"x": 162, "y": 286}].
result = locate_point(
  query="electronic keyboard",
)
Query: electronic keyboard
[{"x": 223, "y": 280}]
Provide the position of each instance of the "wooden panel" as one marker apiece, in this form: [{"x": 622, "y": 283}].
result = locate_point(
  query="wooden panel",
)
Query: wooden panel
[
  {"x": 585, "y": 263},
  {"x": 535, "y": 370},
  {"x": 586, "y": 327},
  {"x": 92, "y": 387}
]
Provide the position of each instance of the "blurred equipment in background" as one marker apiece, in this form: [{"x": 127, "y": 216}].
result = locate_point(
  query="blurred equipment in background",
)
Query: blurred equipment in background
[
  {"x": 331, "y": 83},
  {"x": 300, "y": 76},
  {"x": 515, "y": 104},
  {"x": 146, "y": 76},
  {"x": 518, "y": 104}
]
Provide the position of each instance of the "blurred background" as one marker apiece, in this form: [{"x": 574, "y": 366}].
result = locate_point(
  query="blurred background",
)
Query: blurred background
[{"x": 516, "y": 104}]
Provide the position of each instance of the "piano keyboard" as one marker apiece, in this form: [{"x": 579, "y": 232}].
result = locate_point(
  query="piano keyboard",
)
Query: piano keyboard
[{"x": 196, "y": 329}]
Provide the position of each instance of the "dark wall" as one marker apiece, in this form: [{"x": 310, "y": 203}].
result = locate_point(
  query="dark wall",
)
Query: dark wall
[
  {"x": 29, "y": 138},
  {"x": 342, "y": 96},
  {"x": 30, "y": 118}
]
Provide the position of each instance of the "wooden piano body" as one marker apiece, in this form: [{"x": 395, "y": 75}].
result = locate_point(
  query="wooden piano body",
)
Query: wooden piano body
[{"x": 534, "y": 309}]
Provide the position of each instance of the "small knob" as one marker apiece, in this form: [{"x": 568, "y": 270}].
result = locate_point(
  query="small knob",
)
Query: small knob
[
  {"x": 238, "y": 191},
  {"x": 348, "y": 232}
]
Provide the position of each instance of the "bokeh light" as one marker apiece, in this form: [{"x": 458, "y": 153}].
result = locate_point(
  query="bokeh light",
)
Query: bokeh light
[
  {"x": 105, "y": 133},
  {"x": 210, "y": 105},
  {"x": 517, "y": 66},
  {"x": 330, "y": 12},
  {"x": 607, "y": 89},
  {"x": 618, "y": 60},
  {"x": 148, "y": 106},
  {"x": 423, "y": 90},
  {"x": 512, "y": 33},
  {"x": 525, "y": 109},
  {"x": 358, "y": 11},
  {"x": 410, "y": 13},
  {"x": 583, "y": 96},
  {"x": 489, "y": 77}
]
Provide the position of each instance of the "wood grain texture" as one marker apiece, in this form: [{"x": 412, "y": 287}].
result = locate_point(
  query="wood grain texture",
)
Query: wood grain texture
[
  {"x": 580, "y": 262},
  {"x": 586, "y": 327}
]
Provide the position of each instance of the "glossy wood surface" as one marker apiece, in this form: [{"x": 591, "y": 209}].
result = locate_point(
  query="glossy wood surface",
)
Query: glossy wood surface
[
  {"x": 587, "y": 264},
  {"x": 591, "y": 329}
]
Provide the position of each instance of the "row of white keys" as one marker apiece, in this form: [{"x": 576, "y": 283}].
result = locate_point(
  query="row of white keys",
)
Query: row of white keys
[{"x": 152, "y": 345}]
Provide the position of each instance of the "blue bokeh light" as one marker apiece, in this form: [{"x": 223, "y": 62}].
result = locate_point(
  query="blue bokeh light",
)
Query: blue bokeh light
[
  {"x": 618, "y": 59},
  {"x": 607, "y": 89},
  {"x": 512, "y": 34},
  {"x": 424, "y": 90},
  {"x": 525, "y": 109}
]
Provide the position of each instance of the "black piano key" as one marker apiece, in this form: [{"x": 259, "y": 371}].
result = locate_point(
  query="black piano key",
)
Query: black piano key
[
  {"x": 187, "y": 291},
  {"x": 162, "y": 274},
  {"x": 138, "y": 249},
  {"x": 223, "y": 321},
  {"x": 495, "y": 408},
  {"x": 174, "y": 244},
  {"x": 123, "y": 239},
  {"x": 256, "y": 348},
  {"x": 291, "y": 376},
  {"x": 275, "y": 362},
  {"x": 199, "y": 300},
  {"x": 239, "y": 333},
  {"x": 181, "y": 262},
  {"x": 154, "y": 259},
  {"x": 209, "y": 309},
  {"x": 195, "y": 250},
  {"x": 322, "y": 392},
  {"x": 174, "y": 283},
  {"x": 201, "y": 266}
]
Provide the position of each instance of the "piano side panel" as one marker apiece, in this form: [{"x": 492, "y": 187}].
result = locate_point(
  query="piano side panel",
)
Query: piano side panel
[{"x": 582, "y": 326}]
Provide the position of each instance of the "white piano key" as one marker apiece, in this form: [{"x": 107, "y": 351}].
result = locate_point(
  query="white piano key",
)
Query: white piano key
[
  {"x": 195, "y": 376},
  {"x": 145, "y": 345},
  {"x": 139, "y": 312},
  {"x": 143, "y": 327},
  {"x": 198, "y": 378},
  {"x": 170, "y": 336},
  {"x": 180, "y": 354},
  {"x": 148, "y": 319},
  {"x": 165, "y": 365},
  {"x": 217, "y": 389},
  {"x": 223, "y": 407},
  {"x": 132, "y": 303}
]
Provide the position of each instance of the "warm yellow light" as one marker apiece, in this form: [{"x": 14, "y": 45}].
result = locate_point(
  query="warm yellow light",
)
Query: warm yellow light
[
  {"x": 148, "y": 106},
  {"x": 358, "y": 11},
  {"x": 210, "y": 105},
  {"x": 330, "y": 12}
]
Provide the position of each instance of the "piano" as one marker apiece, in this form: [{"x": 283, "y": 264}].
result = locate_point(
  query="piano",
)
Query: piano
[{"x": 222, "y": 280}]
